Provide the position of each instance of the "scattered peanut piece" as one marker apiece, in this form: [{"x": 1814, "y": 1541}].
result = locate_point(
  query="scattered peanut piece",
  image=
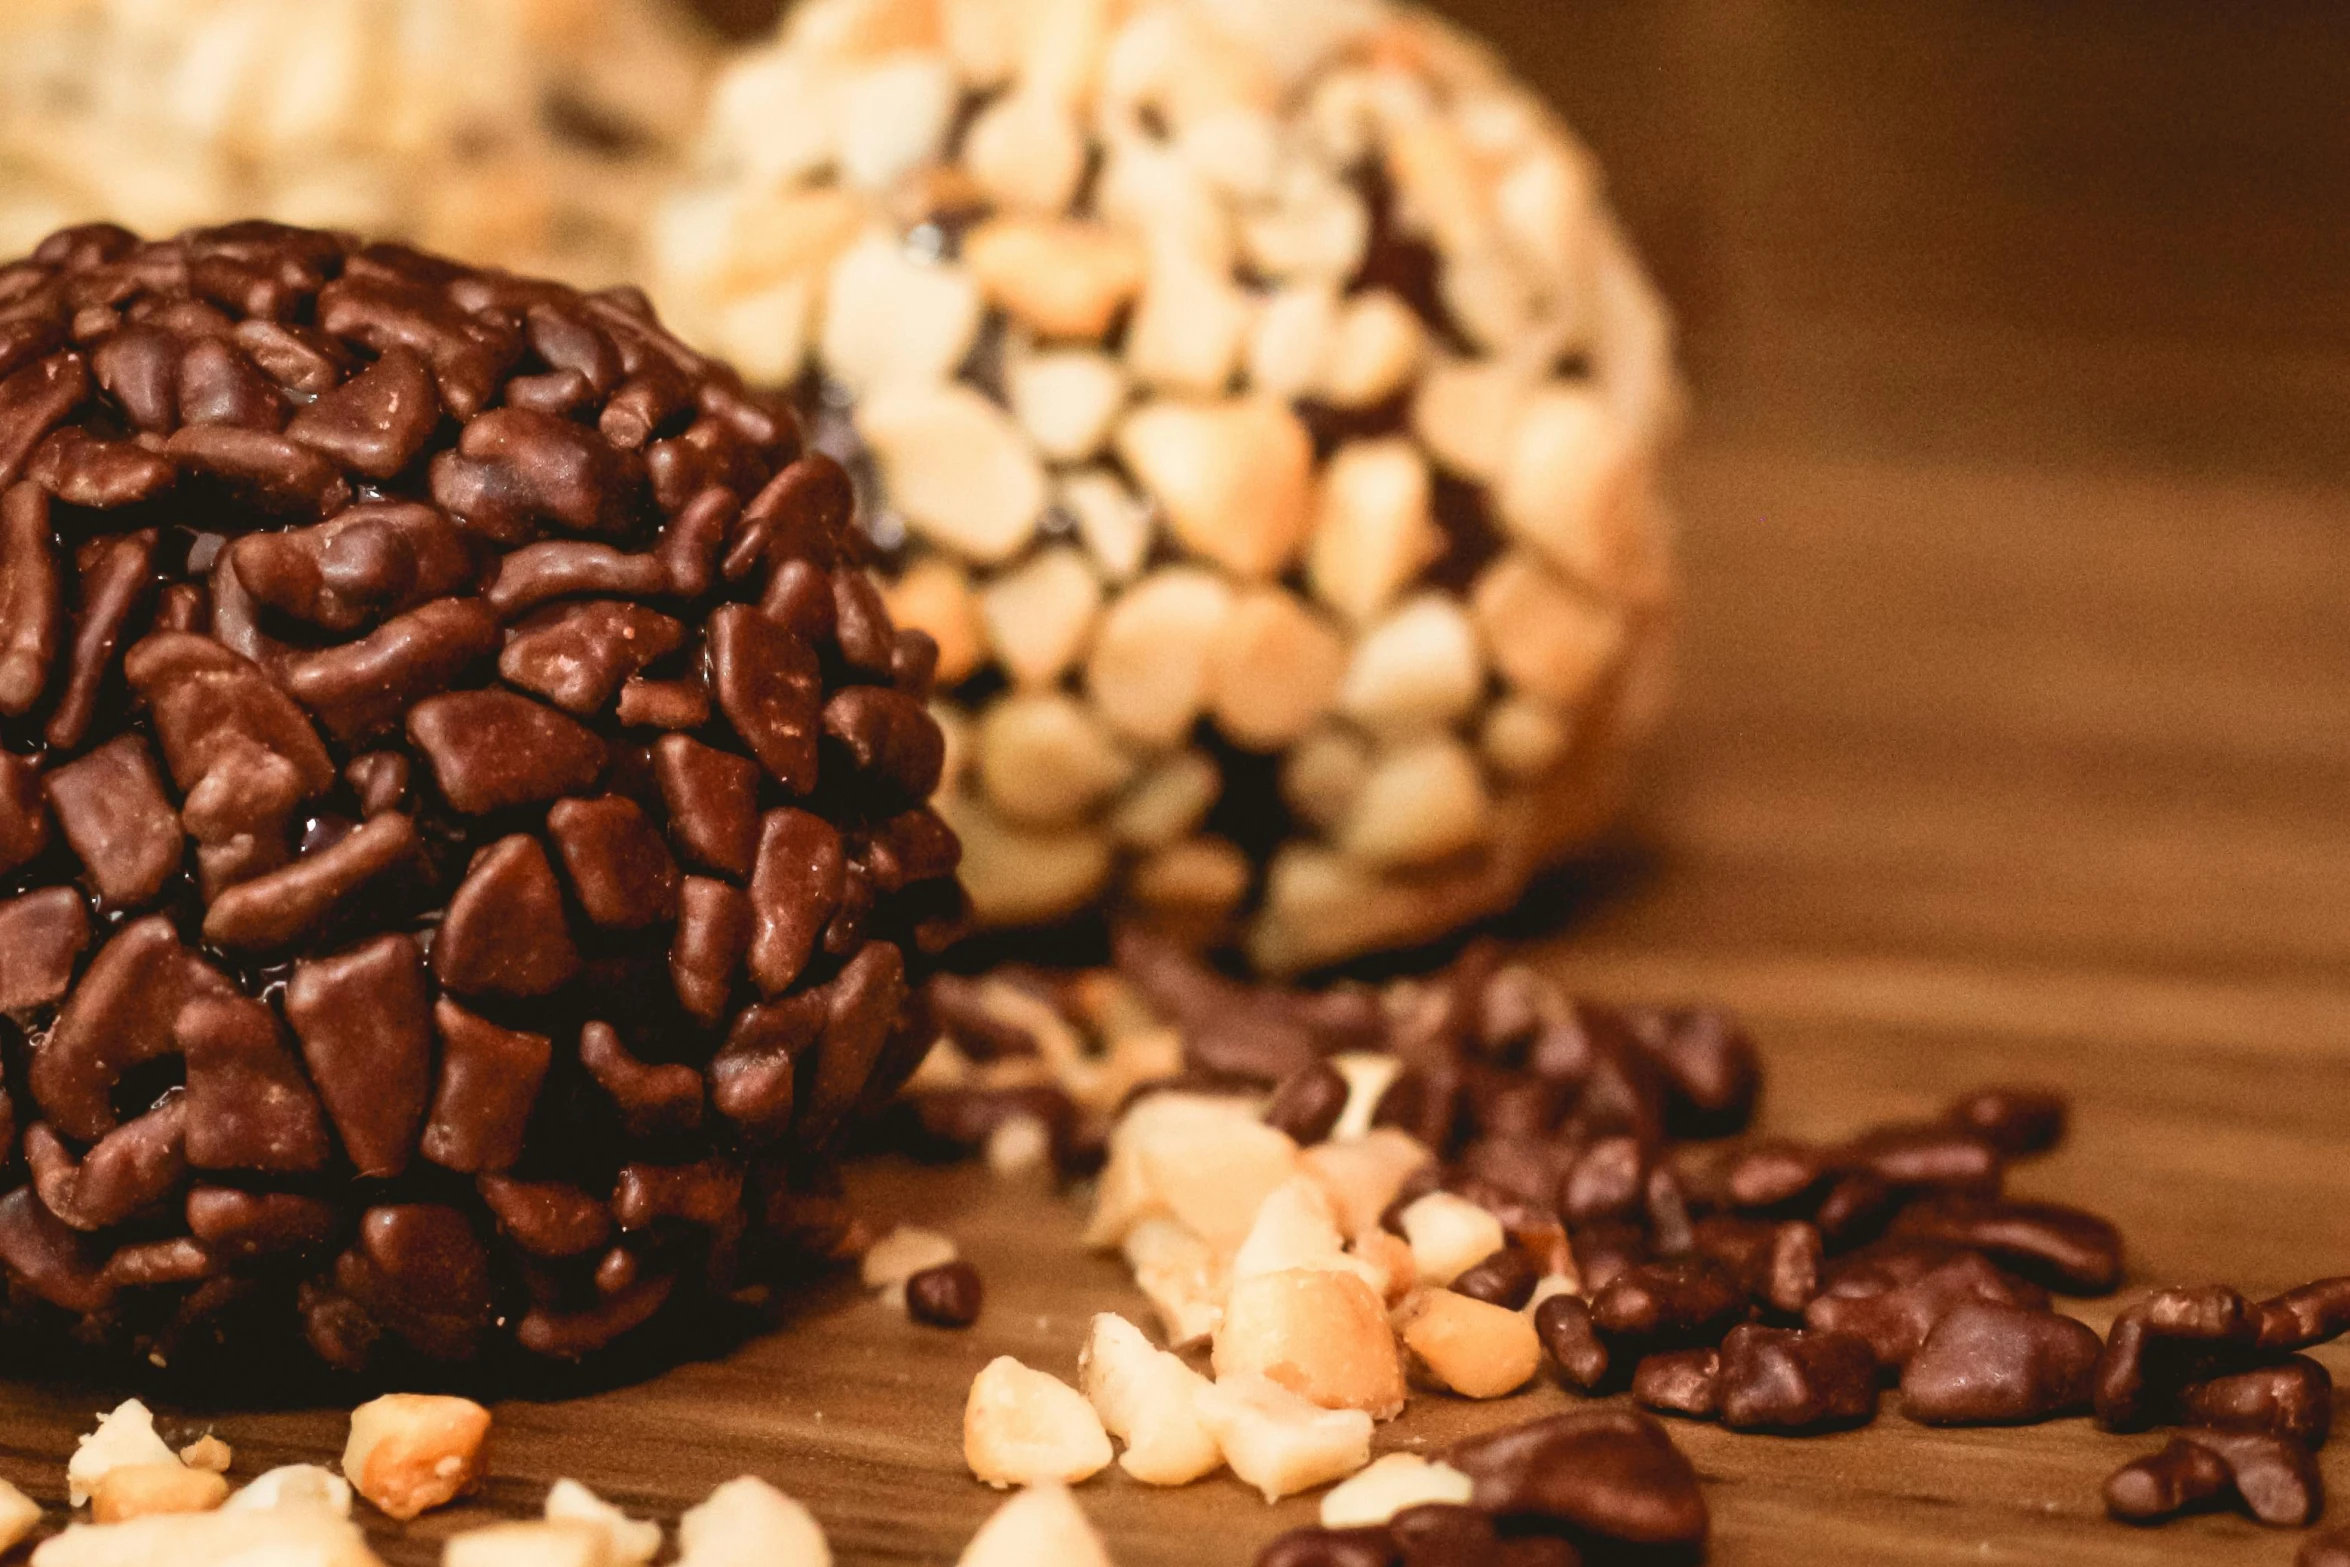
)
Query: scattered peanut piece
[
  {"x": 528, "y": 1543},
  {"x": 1040, "y": 1526},
  {"x": 1391, "y": 1484},
  {"x": 19, "y": 1516},
  {"x": 129, "y": 1491},
  {"x": 1147, "y": 1398},
  {"x": 1364, "y": 1174},
  {"x": 1182, "y": 1276},
  {"x": 1295, "y": 1228},
  {"x": 628, "y": 1542},
  {"x": 1449, "y": 1235},
  {"x": 1473, "y": 1347},
  {"x": 125, "y": 1435},
  {"x": 294, "y": 1485},
  {"x": 1279, "y": 1442},
  {"x": 228, "y": 1537},
  {"x": 748, "y": 1523},
  {"x": 1022, "y": 1426},
  {"x": 208, "y": 1452},
  {"x": 1203, "y": 1159},
  {"x": 411, "y": 1452},
  {"x": 1320, "y": 1334}
]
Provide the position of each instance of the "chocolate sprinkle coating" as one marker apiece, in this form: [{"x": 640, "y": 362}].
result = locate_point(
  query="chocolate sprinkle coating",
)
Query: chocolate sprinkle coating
[{"x": 453, "y": 897}]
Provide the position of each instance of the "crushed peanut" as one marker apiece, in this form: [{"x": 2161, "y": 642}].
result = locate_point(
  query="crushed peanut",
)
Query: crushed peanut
[
  {"x": 1279, "y": 1442},
  {"x": 1471, "y": 1347},
  {"x": 1040, "y": 1526},
  {"x": 1392, "y": 1483},
  {"x": 208, "y": 1452},
  {"x": 1022, "y": 1426},
  {"x": 129, "y": 1491},
  {"x": 1148, "y": 1399},
  {"x": 628, "y": 1542},
  {"x": 748, "y": 1523},
  {"x": 411, "y": 1452},
  {"x": 125, "y": 1435}
]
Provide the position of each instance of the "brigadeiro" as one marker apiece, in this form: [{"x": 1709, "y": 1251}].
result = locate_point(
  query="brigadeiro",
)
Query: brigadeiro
[
  {"x": 463, "y": 825},
  {"x": 1259, "y": 405}
]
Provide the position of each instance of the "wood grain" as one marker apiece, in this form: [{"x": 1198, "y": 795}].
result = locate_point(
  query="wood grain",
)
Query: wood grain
[{"x": 2013, "y": 742}]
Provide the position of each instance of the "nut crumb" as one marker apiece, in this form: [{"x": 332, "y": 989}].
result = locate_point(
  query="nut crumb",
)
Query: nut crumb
[{"x": 411, "y": 1452}]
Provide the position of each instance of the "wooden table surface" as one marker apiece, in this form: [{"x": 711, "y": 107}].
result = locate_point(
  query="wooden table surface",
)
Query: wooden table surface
[{"x": 2013, "y": 742}]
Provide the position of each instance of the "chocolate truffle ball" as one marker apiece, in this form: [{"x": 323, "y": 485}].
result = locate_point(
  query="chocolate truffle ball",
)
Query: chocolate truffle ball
[
  {"x": 463, "y": 828},
  {"x": 1259, "y": 406}
]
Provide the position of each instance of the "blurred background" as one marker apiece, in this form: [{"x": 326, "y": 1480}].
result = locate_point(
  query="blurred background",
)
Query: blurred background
[{"x": 2019, "y": 335}]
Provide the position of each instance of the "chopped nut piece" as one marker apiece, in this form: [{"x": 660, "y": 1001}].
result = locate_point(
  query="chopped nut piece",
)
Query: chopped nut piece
[
  {"x": 628, "y": 1542},
  {"x": 1391, "y": 1484},
  {"x": 1020, "y": 1145},
  {"x": 1568, "y": 485},
  {"x": 889, "y": 318},
  {"x": 1291, "y": 341},
  {"x": 1275, "y": 670},
  {"x": 1387, "y": 1264},
  {"x": 1147, "y": 1398},
  {"x": 1416, "y": 670},
  {"x": 1027, "y": 153},
  {"x": 1315, "y": 228},
  {"x": 1421, "y": 804},
  {"x": 1235, "y": 477},
  {"x": 748, "y": 1523},
  {"x": 1277, "y": 1441},
  {"x": 411, "y": 1452},
  {"x": 934, "y": 595},
  {"x": 1022, "y": 1427},
  {"x": 1523, "y": 739},
  {"x": 958, "y": 467},
  {"x": 125, "y": 1435},
  {"x": 20, "y": 1515},
  {"x": 1374, "y": 351},
  {"x": 902, "y": 1253},
  {"x": 1113, "y": 522},
  {"x": 1189, "y": 329},
  {"x": 1167, "y": 802},
  {"x": 1203, "y": 1160},
  {"x": 1041, "y": 1526},
  {"x": 294, "y": 1485},
  {"x": 1473, "y": 1347},
  {"x": 1202, "y": 880},
  {"x": 1019, "y": 876},
  {"x": 892, "y": 118},
  {"x": 1046, "y": 759},
  {"x": 1295, "y": 1227},
  {"x": 1449, "y": 1235},
  {"x": 534, "y": 1543},
  {"x": 1063, "y": 278},
  {"x": 1323, "y": 774},
  {"x": 1363, "y": 1174},
  {"x": 1321, "y": 1334},
  {"x": 1548, "y": 640},
  {"x": 1372, "y": 527},
  {"x": 1466, "y": 413},
  {"x": 288, "y": 1536},
  {"x": 1148, "y": 669},
  {"x": 1181, "y": 1275},
  {"x": 1067, "y": 400},
  {"x": 129, "y": 1491},
  {"x": 208, "y": 1452},
  {"x": 1040, "y": 615}
]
